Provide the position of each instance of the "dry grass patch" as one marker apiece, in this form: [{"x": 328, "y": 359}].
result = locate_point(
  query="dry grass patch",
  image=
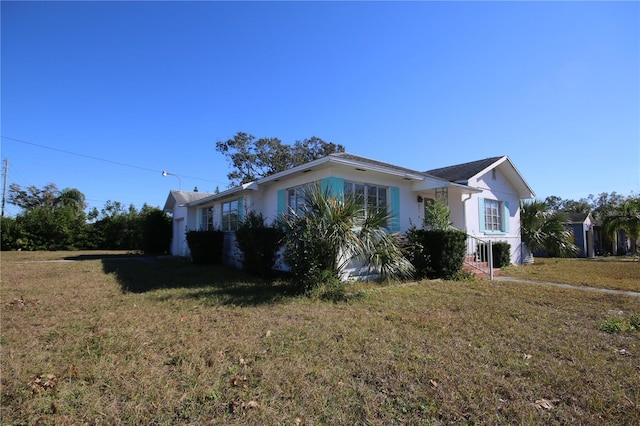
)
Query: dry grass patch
[
  {"x": 201, "y": 345},
  {"x": 611, "y": 273}
]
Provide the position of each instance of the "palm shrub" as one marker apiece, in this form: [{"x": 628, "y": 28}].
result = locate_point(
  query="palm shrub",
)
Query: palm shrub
[
  {"x": 330, "y": 233},
  {"x": 259, "y": 244},
  {"x": 627, "y": 218},
  {"x": 543, "y": 229}
]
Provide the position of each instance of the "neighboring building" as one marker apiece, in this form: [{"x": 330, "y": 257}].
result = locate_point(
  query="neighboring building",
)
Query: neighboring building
[
  {"x": 483, "y": 197},
  {"x": 582, "y": 226}
]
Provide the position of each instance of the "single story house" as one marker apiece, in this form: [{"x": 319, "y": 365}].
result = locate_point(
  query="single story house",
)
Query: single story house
[
  {"x": 582, "y": 226},
  {"x": 483, "y": 198}
]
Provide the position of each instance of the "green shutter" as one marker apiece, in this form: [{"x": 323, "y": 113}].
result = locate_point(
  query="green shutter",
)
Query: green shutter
[
  {"x": 481, "y": 214},
  {"x": 240, "y": 209},
  {"x": 395, "y": 209},
  {"x": 506, "y": 216},
  {"x": 334, "y": 185},
  {"x": 282, "y": 202}
]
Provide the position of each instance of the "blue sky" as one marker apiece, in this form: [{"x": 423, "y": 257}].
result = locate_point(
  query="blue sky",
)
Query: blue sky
[{"x": 135, "y": 88}]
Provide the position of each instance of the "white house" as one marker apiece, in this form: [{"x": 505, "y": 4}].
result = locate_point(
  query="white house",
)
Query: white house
[{"x": 483, "y": 197}]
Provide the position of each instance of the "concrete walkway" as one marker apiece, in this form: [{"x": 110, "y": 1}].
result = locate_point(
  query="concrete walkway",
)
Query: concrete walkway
[{"x": 572, "y": 287}]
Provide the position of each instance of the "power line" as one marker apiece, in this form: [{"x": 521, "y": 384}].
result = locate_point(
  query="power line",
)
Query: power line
[{"x": 102, "y": 159}]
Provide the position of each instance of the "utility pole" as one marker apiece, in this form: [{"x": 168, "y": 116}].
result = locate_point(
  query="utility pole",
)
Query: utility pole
[{"x": 4, "y": 185}]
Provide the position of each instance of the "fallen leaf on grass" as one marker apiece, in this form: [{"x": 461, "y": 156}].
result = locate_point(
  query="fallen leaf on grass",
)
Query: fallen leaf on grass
[
  {"x": 21, "y": 302},
  {"x": 433, "y": 383},
  {"x": 42, "y": 383},
  {"x": 546, "y": 404},
  {"x": 251, "y": 405}
]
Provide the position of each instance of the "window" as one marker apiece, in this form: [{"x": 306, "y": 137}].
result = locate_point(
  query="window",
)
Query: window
[
  {"x": 295, "y": 199},
  {"x": 230, "y": 216},
  {"x": 369, "y": 197},
  {"x": 206, "y": 219},
  {"x": 492, "y": 215}
]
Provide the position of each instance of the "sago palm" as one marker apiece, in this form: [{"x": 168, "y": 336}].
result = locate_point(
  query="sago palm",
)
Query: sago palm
[
  {"x": 627, "y": 218},
  {"x": 331, "y": 232},
  {"x": 543, "y": 229}
]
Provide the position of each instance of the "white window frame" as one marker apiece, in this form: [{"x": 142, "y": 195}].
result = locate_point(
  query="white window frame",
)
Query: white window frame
[
  {"x": 206, "y": 218},
  {"x": 495, "y": 216},
  {"x": 493, "y": 219},
  {"x": 295, "y": 199},
  {"x": 230, "y": 215},
  {"x": 368, "y": 193}
]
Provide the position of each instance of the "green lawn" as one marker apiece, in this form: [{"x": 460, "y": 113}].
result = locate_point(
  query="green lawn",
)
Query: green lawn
[{"x": 129, "y": 341}]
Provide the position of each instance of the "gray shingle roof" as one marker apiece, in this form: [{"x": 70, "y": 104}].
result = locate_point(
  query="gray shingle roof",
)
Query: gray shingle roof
[
  {"x": 463, "y": 172},
  {"x": 184, "y": 197},
  {"x": 365, "y": 160},
  {"x": 577, "y": 217}
]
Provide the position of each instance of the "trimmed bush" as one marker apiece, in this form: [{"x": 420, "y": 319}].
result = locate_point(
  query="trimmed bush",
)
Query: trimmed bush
[
  {"x": 206, "y": 246},
  {"x": 259, "y": 244},
  {"x": 436, "y": 253},
  {"x": 501, "y": 253}
]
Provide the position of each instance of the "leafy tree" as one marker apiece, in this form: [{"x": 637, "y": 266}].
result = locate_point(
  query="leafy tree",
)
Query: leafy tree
[
  {"x": 116, "y": 228},
  {"x": 437, "y": 216},
  {"x": 32, "y": 196},
  {"x": 330, "y": 233},
  {"x": 252, "y": 158},
  {"x": 580, "y": 206},
  {"x": 544, "y": 229},
  {"x": 51, "y": 228},
  {"x": 50, "y": 220},
  {"x": 71, "y": 197},
  {"x": 554, "y": 202},
  {"x": 10, "y": 233},
  {"x": 605, "y": 204}
]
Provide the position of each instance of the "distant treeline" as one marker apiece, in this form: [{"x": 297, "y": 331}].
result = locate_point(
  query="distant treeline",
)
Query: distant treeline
[{"x": 51, "y": 219}]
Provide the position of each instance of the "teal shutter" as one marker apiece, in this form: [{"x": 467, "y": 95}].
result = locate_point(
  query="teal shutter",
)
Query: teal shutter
[
  {"x": 506, "y": 216},
  {"x": 481, "y": 214},
  {"x": 282, "y": 202},
  {"x": 395, "y": 209},
  {"x": 240, "y": 209},
  {"x": 334, "y": 185}
]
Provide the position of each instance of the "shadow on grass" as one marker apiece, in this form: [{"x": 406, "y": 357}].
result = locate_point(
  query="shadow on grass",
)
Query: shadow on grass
[
  {"x": 119, "y": 256},
  {"x": 216, "y": 285}
]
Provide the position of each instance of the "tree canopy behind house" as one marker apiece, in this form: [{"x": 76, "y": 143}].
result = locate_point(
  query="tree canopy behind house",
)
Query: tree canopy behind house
[{"x": 252, "y": 158}]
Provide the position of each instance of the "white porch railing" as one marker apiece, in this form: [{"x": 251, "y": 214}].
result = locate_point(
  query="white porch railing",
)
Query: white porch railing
[{"x": 479, "y": 255}]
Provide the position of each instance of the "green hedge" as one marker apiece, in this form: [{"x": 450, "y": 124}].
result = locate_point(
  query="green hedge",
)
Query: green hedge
[
  {"x": 206, "y": 246},
  {"x": 259, "y": 244},
  {"x": 501, "y": 253},
  {"x": 436, "y": 253}
]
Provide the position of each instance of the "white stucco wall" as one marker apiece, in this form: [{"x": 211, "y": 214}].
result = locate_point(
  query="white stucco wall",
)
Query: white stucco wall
[
  {"x": 499, "y": 189},
  {"x": 464, "y": 207}
]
